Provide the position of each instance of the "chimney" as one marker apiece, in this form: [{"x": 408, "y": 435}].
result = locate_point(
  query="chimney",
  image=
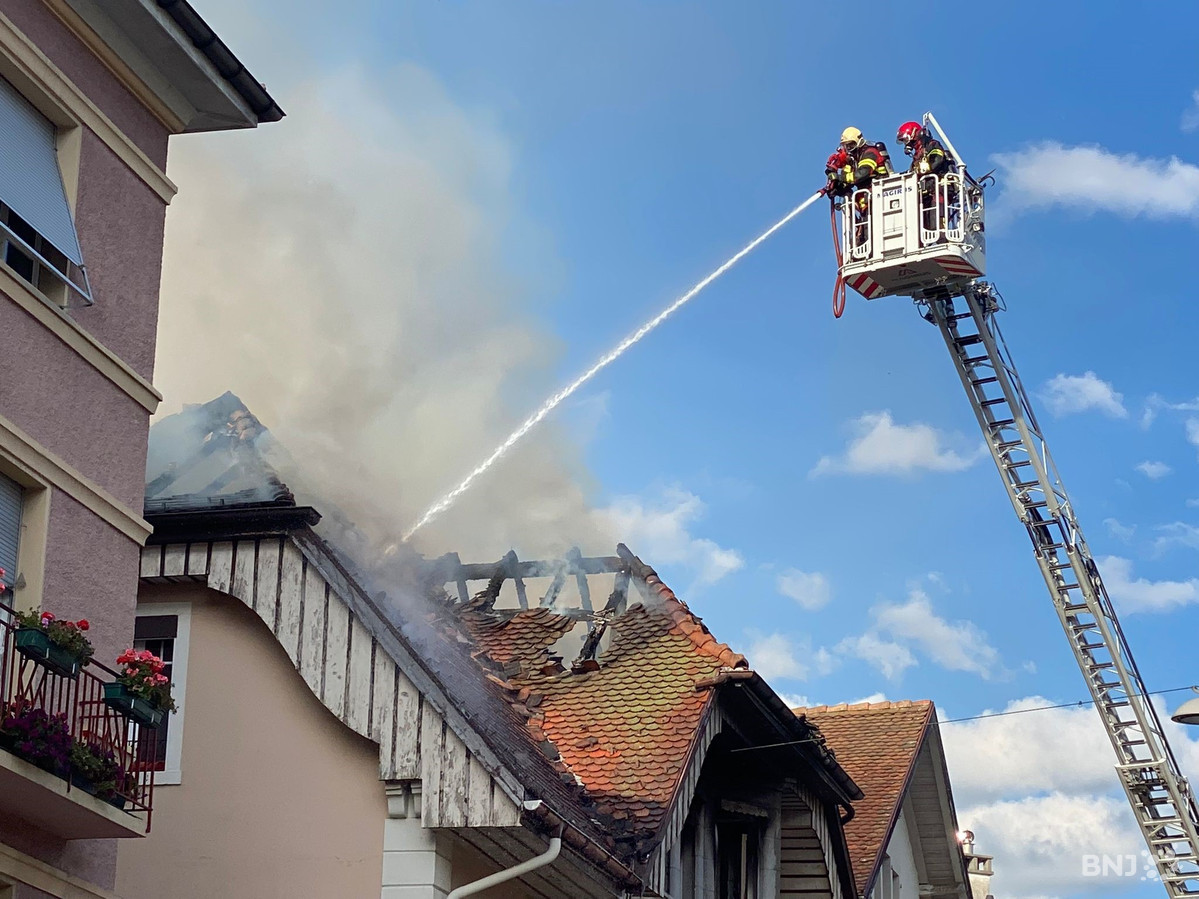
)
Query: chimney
[{"x": 978, "y": 867}]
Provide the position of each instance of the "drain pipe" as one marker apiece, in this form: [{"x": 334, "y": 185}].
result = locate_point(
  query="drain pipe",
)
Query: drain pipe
[{"x": 532, "y": 864}]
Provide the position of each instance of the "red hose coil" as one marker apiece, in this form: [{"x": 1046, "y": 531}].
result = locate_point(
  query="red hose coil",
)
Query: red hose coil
[{"x": 839, "y": 284}]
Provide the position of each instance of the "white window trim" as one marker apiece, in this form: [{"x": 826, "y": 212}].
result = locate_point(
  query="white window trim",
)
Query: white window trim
[{"x": 173, "y": 772}]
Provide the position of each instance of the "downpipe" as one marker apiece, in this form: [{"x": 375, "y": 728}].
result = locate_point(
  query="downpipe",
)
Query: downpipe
[{"x": 532, "y": 864}]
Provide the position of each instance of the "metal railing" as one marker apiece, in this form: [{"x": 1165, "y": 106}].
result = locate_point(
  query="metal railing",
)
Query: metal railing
[{"x": 29, "y": 684}]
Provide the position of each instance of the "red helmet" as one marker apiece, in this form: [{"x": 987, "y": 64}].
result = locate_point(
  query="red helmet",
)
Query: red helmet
[{"x": 908, "y": 132}]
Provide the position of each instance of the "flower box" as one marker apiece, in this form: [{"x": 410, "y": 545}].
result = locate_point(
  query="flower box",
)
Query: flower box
[
  {"x": 114, "y": 799},
  {"x": 118, "y": 696},
  {"x": 35, "y": 644}
]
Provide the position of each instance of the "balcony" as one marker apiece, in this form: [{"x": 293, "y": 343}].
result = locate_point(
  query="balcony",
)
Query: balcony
[{"x": 38, "y": 782}]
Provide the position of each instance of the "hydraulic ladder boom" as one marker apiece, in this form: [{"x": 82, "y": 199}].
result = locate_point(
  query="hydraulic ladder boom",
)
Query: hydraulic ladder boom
[{"x": 1159, "y": 794}]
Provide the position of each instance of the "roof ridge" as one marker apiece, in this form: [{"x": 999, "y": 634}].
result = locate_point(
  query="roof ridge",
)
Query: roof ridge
[
  {"x": 885, "y": 705},
  {"x": 684, "y": 621}
]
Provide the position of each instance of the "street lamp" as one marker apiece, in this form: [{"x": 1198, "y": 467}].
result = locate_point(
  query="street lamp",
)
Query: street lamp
[{"x": 1188, "y": 712}]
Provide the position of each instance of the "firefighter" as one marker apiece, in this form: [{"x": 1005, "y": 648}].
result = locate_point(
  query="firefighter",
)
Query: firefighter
[
  {"x": 928, "y": 156},
  {"x": 855, "y": 163}
]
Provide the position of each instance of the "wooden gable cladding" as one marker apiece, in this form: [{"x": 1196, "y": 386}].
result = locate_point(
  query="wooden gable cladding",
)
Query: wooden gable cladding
[
  {"x": 355, "y": 676},
  {"x": 807, "y": 866}
]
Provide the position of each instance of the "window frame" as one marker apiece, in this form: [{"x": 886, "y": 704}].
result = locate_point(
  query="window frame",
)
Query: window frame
[
  {"x": 28, "y": 580},
  {"x": 172, "y": 773},
  {"x": 68, "y": 141}
]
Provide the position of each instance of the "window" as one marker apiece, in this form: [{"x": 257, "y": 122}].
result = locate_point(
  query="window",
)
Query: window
[
  {"x": 11, "y": 502},
  {"x": 737, "y": 853},
  {"x": 163, "y": 629},
  {"x": 37, "y": 232}
]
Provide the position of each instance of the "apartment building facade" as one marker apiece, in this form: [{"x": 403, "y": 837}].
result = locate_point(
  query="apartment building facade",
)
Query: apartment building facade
[{"x": 90, "y": 96}]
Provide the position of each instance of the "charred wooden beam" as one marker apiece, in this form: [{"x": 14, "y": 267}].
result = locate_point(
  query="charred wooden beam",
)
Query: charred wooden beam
[
  {"x": 574, "y": 557},
  {"x": 512, "y": 565}
]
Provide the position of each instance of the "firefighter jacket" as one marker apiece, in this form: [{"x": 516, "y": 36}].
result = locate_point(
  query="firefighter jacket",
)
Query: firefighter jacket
[
  {"x": 858, "y": 168},
  {"x": 929, "y": 156}
]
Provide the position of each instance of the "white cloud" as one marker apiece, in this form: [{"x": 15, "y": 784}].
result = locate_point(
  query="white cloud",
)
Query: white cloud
[
  {"x": 899, "y": 631},
  {"x": 1142, "y": 595},
  {"x": 1153, "y": 470},
  {"x": 1121, "y": 532},
  {"x": 1177, "y": 533},
  {"x": 1156, "y": 403},
  {"x": 1193, "y": 431},
  {"x": 773, "y": 656},
  {"x": 1193, "y": 503},
  {"x": 890, "y": 658},
  {"x": 1068, "y": 394},
  {"x": 1038, "y": 788},
  {"x": 990, "y": 758},
  {"x": 873, "y": 697},
  {"x": 1190, "y": 116},
  {"x": 809, "y": 589},
  {"x": 880, "y": 446},
  {"x": 780, "y": 656},
  {"x": 1092, "y": 178},
  {"x": 660, "y": 528},
  {"x": 796, "y": 700},
  {"x": 1050, "y": 844}
]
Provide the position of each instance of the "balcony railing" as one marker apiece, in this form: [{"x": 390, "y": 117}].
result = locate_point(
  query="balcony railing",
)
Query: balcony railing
[{"x": 29, "y": 686}]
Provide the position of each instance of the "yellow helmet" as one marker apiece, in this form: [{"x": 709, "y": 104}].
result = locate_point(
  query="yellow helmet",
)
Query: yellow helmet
[{"x": 851, "y": 138}]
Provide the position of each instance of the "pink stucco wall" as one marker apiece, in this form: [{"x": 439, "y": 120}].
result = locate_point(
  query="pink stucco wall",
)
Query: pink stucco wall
[
  {"x": 120, "y": 222},
  {"x": 90, "y": 75},
  {"x": 63, "y": 403},
  {"x": 91, "y": 572}
]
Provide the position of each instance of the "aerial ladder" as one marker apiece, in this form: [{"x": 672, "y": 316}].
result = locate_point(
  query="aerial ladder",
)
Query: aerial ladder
[{"x": 923, "y": 236}]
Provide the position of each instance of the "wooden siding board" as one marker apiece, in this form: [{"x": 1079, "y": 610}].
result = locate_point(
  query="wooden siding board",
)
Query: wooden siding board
[
  {"x": 151, "y": 564},
  {"x": 220, "y": 566},
  {"x": 336, "y": 647},
  {"x": 358, "y": 698},
  {"x": 287, "y": 628},
  {"x": 432, "y": 742},
  {"x": 197, "y": 560},
  {"x": 478, "y": 795},
  {"x": 266, "y": 592},
  {"x": 408, "y": 718},
  {"x": 243, "y": 571},
  {"x": 312, "y": 644},
  {"x": 455, "y": 771},
  {"x": 174, "y": 560}
]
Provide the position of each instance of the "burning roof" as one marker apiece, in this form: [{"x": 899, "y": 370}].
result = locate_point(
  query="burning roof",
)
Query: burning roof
[
  {"x": 587, "y": 676},
  {"x": 611, "y": 674},
  {"x": 212, "y": 456}
]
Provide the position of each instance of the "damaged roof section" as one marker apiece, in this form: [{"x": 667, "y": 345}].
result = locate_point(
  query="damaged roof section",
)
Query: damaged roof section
[
  {"x": 211, "y": 456},
  {"x": 612, "y": 674}
]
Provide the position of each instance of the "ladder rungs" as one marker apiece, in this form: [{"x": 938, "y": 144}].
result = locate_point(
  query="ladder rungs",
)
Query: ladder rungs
[
  {"x": 974, "y": 360},
  {"x": 968, "y": 340},
  {"x": 994, "y": 402},
  {"x": 1000, "y": 423},
  {"x": 979, "y": 382}
]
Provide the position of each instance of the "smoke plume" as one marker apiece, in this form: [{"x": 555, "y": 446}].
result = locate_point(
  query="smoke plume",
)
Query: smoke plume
[{"x": 341, "y": 271}]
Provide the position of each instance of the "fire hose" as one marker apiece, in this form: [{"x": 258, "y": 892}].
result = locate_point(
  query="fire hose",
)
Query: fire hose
[{"x": 839, "y": 283}]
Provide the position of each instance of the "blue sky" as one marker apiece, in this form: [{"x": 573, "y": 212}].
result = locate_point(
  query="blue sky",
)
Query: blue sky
[{"x": 608, "y": 157}]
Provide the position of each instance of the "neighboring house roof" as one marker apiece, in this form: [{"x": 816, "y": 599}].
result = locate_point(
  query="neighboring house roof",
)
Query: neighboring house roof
[{"x": 885, "y": 746}]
